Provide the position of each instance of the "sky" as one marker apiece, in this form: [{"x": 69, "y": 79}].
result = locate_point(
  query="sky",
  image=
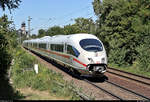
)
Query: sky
[{"x": 49, "y": 13}]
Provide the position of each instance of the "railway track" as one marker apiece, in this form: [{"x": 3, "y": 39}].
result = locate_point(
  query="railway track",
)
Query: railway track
[
  {"x": 116, "y": 96},
  {"x": 128, "y": 90},
  {"x": 104, "y": 90},
  {"x": 130, "y": 76}
]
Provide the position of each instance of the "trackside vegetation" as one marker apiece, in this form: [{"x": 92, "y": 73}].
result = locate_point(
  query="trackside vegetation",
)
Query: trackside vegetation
[
  {"x": 24, "y": 76},
  {"x": 124, "y": 28},
  {"x": 8, "y": 43}
]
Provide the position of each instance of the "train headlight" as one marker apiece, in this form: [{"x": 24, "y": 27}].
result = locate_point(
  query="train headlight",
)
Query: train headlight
[{"x": 103, "y": 60}]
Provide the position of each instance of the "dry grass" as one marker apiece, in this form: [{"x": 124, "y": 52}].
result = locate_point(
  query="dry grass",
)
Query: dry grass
[{"x": 31, "y": 94}]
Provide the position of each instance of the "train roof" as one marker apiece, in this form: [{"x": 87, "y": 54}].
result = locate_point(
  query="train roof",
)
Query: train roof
[
  {"x": 59, "y": 39},
  {"x": 45, "y": 38},
  {"x": 39, "y": 40},
  {"x": 71, "y": 38}
]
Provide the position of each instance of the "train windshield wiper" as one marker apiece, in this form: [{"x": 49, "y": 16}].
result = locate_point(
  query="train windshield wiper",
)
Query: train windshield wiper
[{"x": 93, "y": 49}]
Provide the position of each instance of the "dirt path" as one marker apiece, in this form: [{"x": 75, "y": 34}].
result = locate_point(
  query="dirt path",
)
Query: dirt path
[{"x": 30, "y": 94}]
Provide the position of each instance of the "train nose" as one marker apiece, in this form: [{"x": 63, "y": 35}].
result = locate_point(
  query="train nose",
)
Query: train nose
[{"x": 97, "y": 60}]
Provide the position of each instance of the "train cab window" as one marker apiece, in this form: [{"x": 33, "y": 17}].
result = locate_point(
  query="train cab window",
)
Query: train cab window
[
  {"x": 92, "y": 45},
  {"x": 42, "y": 45},
  {"x": 73, "y": 51}
]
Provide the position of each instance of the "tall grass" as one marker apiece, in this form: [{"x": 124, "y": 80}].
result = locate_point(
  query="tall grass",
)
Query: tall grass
[
  {"x": 46, "y": 79},
  {"x": 132, "y": 69}
]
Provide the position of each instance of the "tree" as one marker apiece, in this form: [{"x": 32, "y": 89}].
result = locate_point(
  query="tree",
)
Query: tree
[
  {"x": 71, "y": 29},
  {"x": 41, "y": 33},
  {"x": 123, "y": 27},
  {"x": 10, "y": 4},
  {"x": 34, "y": 36},
  {"x": 97, "y": 7},
  {"x": 84, "y": 25},
  {"x": 7, "y": 44},
  {"x": 56, "y": 30}
]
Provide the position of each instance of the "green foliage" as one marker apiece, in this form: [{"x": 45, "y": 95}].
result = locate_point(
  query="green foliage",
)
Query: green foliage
[
  {"x": 46, "y": 79},
  {"x": 132, "y": 69},
  {"x": 56, "y": 30},
  {"x": 11, "y": 4},
  {"x": 7, "y": 44},
  {"x": 81, "y": 25},
  {"x": 97, "y": 7},
  {"x": 71, "y": 29},
  {"x": 144, "y": 56},
  {"x": 124, "y": 29},
  {"x": 41, "y": 33},
  {"x": 5, "y": 57},
  {"x": 84, "y": 25}
]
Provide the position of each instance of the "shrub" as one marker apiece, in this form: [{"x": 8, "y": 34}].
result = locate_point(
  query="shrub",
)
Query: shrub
[
  {"x": 46, "y": 79},
  {"x": 144, "y": 58}
]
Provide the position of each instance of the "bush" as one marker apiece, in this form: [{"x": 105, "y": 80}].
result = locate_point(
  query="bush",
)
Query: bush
[
  {"x": 144, "y": 58},
  {"x": 117, "y": 56},
  {"x": 46, "y": 79},
  {"x": 5, "y": 57},
  {"x": 7, "y": 45}
]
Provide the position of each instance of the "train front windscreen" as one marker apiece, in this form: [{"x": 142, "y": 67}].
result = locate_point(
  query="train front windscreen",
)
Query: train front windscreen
[{"x": 91, "y": 45}]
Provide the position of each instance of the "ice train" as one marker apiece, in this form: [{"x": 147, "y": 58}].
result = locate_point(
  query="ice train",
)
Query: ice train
[{"x": 84, "y": 54}]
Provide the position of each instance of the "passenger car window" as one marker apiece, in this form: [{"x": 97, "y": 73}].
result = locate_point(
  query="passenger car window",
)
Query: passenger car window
[
  {"x": 35, "y": 45},
  {"x": 42, "y": 45},
  {"x": 57, "y": 47}
]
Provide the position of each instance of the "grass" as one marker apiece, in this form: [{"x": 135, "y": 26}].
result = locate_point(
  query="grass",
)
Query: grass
[
  {"x": 7, "y": 92},
  {"x": 45, "y": 80},
  {"x": 31, "y": 94},
  {"x": 132, "y": 69}
]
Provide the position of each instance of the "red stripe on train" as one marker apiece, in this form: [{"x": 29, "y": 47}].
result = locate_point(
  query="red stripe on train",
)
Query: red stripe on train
[
  {"x": 64, "y": 56},
  {"x": 55, "y": 53},
  {"x": 79, "y": 62}
]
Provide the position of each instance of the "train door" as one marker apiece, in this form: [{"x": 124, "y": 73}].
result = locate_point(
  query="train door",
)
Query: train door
[
  {"x": 37, "y": 45},
  {"x": 65, "y": 52},
  {"x": 69, "y": 51},
  {"x": 65, "y": 47},
  {"x": 48, "y": 46}
]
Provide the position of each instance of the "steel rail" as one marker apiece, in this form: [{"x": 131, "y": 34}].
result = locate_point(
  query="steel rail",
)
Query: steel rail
[
  {"x": 129, "y": 73},
  {"x": 128, "y": 90},
  {"x": 116, "y": 96},
  {"x": 129, "y": 78}
]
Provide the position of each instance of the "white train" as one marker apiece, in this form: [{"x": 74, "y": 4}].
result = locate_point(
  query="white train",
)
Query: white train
[{"x": 84, "y": 54}]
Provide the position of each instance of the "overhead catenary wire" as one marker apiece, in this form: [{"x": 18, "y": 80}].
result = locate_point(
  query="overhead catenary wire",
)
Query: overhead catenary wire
[
  {"x": 72, "y": 19},
  {"x": 62, "y": 18}
]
